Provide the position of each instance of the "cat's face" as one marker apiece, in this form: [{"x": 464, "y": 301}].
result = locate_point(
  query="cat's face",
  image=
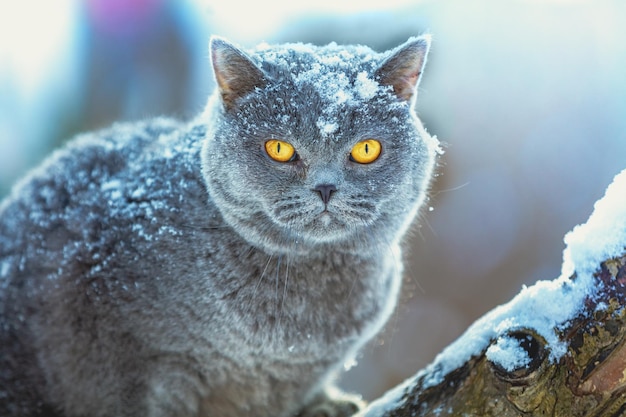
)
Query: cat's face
[{"x": 317, "y": 145}]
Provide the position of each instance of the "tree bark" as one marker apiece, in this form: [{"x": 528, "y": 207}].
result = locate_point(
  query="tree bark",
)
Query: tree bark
[{"x": 587, "y": 379}]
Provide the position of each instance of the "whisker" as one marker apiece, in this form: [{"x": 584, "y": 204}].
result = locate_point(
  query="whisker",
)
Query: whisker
[
  {"x": 276, "y": 296},
  {"x": 282, "y": 305},
  {"x": 257, "y": 285},
  {"x": 430, "y": 227},
  {"x": 393, "y": 329},
  {"x": 414, "y": 280},
  {"x": 447, "y": 190},
  {"x": 352, "y": 287}
]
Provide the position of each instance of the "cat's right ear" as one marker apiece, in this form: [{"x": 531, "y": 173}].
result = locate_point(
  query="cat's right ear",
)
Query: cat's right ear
[
  {"x": 402, "y": 70},
  {"x": 235, "y": 73}
]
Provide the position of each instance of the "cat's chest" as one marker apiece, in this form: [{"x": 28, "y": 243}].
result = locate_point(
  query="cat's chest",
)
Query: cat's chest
[{"x": 283, "y": 302}]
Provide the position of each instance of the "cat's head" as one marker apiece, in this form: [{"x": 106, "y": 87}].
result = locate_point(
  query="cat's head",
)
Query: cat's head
[{"x": 313, "y": 146}]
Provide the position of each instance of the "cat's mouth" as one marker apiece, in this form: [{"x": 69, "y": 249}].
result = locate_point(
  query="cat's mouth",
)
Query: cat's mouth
[
  {"x": 334, "y": 221},
  {"x": 326, "y": 218},
  {"x": 328, "y": 225}
]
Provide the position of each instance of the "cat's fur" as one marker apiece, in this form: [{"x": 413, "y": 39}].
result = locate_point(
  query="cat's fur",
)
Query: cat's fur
[{"x": 167, "y": 269}]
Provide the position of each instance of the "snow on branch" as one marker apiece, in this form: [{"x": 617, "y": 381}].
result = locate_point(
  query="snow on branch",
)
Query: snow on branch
[{"x": 556, "y": 349}]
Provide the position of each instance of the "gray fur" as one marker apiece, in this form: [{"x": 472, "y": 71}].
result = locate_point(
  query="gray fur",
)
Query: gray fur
[{"x": 168, "y": 269}]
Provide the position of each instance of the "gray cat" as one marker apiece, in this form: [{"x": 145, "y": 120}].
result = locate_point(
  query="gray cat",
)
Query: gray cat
[{"x": 224, "y": 267}]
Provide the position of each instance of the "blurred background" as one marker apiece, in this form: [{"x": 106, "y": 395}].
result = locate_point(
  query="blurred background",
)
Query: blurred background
[{"x": 528, "y": 96}]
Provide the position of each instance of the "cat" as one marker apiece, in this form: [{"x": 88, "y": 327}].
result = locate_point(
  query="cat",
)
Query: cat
[{"x": 225, "y": 266}]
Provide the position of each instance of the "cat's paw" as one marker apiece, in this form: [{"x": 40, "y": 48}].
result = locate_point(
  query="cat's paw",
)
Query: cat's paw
[{"x": 333, "y": 404}]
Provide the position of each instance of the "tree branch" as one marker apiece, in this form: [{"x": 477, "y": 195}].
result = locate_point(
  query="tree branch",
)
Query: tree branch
[{"x": 557, "y": 349}]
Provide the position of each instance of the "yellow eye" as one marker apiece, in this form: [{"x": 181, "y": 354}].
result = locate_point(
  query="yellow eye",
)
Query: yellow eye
[
  {"x": 280, "y": 151},
  {"x": 366, "y": 151}
]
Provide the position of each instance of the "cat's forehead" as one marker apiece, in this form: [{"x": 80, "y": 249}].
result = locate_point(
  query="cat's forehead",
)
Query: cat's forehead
[
  {"x": 340, "y": 74},
  {"x": 328, "y": 80}
]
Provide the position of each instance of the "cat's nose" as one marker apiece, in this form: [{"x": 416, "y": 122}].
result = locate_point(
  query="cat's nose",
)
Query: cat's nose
[{"x": 325, "y": 191}]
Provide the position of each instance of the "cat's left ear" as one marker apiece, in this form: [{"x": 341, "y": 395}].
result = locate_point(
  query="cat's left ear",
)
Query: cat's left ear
[
  {"x": 402, "y": 69},
  {"x": 235, "y": 73}
]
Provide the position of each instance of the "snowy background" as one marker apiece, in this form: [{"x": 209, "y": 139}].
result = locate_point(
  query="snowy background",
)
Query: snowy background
[{"x": 529, "y": 97}]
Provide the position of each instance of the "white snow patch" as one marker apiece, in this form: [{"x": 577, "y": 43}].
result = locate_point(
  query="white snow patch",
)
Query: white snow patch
[
  {"x": 138, "y": 228},
  {"x": 508, "y": 353},
  {"x": 366, "y": 88},
  {"x": 326, "y": 127},
  {"x": 138, "y": 192},
  {"x": 333, "y": 85},
  {"x": 111, "y": 185},
  {"x": 433, "y": 143},
  {"x": 602, "y": 236},
  {"x": 342, "y": 96},
  {"x": 602, "y": 306},
  {"x": 349, "y": 364},
  {"x": 167, "y": 153},
  {"x": 4, "y": 270},
  {"x": 547, "y": 305}
]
